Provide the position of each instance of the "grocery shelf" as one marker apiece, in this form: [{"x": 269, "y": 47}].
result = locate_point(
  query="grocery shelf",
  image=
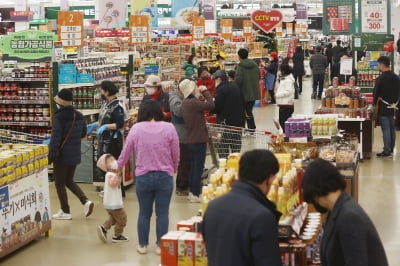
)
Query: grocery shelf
[
  {"x": 74, "y": 85},
  {"x": 27, "y": 124},
  {"x": 89, "y": 112},
  {"x": 24, "y": 102},
  {"x": 24, "y": 79}
]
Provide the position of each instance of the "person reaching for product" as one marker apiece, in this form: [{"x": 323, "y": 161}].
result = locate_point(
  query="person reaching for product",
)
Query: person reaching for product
[
  {"x": 155, "y": 145},
  {"x": 154, "y": 92},
  {"x": 197, "y": 135},
  {"x": 241, "y": 227},
  {"x": 285, "y": 95},
  {"x": 65, "y": 153},
  {"x": 204, "y": 79},
  {"x": 350, "y": 237},
  {"x": 112, "y": 201}
]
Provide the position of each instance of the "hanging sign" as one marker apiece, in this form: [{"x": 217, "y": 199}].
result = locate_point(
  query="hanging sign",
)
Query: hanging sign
[
  {"x": 267, "y": 21},
  {"x": 289, "y": 28},
  {"x": 28, "y": 44},
  {"x": 209, "y": 9},
  {"x": 346, "y": 67},
  {"x": 374, "y": 16},
  {"x": 304, "y": 28},
  {"x": 226, "y": 28},
  {"x": 70, "y": 28},
  {"x": 112, "y": 13},
  {"x": 198, "y": 28},
  {"x": 247, "y": 28},
  {"x": 298, "y": 28},
  {"x": 139, "y": 25},
  {"x": 278, "y": 29}
]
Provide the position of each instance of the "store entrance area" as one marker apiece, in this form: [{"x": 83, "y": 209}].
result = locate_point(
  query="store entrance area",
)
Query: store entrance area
[{"x": 75, "y": 242}]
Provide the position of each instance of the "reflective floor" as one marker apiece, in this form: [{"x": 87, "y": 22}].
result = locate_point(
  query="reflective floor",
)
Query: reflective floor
[{"x": 75, "y": 242}]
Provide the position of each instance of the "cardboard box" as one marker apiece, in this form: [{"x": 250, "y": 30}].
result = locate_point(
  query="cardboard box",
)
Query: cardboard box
[
  {"x": 186, "y": 245},
  {"x": 169, "y": 248},
  {"x": 187, "y": 226},
  {"x": 200, "y": 254}
]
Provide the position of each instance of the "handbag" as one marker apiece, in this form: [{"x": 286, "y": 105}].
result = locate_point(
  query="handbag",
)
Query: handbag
[
  {"x": 66, "y": 137},
  {"x": 269, "y": 81}
]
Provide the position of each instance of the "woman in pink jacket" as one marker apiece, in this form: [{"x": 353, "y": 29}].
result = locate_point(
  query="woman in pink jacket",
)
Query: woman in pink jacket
[{"x": 155, "y": 145}]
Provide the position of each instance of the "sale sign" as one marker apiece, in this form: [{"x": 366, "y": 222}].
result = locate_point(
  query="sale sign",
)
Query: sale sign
[
  {"x": 267, "y": 21},
  {"x": 374, "y": 17}
]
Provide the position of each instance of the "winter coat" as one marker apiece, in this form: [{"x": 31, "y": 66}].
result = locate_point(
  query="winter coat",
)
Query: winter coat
[
  {"x": 247, "y": 77},
  {"x": 318, "y": 64},
  {"x": 189, "y": 68},
  {"x": 71, "y": 152},
  {"x": 163, "y": 100},
  {"x": 229, "y": 105},
  {"x": 175, "y": 103},
  {"x": 285, "y": 93},
  {"x": 298, "y": 64}
]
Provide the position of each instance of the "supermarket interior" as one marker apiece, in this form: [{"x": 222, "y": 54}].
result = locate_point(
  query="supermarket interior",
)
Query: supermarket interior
[{"x": 303, "y": 79}]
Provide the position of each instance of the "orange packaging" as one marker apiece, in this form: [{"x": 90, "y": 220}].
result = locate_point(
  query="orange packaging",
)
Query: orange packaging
[
  {"x": 169, "y": 248},
  {"x": 200, "y": 254},
  {"x": 186, "y": 245},
  {"x": 187, "y": 226}
]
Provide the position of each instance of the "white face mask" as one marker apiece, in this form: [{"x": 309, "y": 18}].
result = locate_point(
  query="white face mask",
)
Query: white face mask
[
  {"x": 291, "y": 65},
  {"x": 113, "y": 165},
  {"x": 151, "y": 90}
]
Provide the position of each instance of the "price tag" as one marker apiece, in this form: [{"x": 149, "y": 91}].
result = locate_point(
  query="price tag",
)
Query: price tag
[
  {"x": 70, "y": 28},
  {"x": 139, "y": 25}
]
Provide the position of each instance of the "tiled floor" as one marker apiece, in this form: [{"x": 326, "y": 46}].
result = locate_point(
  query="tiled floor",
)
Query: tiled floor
[{"x": 75, "y": 242}]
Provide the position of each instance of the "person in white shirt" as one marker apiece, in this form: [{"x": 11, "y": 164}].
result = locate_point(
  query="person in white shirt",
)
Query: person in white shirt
[
  {"x": 112, "y": 200},
  {"x": 285, "y": 95}
]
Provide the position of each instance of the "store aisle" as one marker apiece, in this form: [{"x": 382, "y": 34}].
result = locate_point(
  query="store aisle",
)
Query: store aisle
[{"x": 75, "y": 242}]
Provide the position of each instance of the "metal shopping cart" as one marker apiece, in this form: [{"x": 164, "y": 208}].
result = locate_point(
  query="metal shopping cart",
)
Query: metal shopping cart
[{"x": 16, "y": 137}]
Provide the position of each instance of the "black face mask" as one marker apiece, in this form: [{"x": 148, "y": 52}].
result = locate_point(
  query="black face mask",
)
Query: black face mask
[{"x": 319, "y": 208}]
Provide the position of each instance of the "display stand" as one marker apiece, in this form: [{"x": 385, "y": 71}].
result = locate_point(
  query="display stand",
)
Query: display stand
[
  {"x": 25, "y": 206},
  {"x": 364, "y": 129}
]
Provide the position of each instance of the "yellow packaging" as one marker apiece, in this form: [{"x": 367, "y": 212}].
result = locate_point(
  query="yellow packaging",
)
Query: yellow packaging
[
  {"x": 31, "y": 168},
  {"x": 233, "y": 161},
  {"x": 186, "y": 249},
  {"x": 18, "y": 173},
  {"x": 24, "y": 170},
  {"x": 37, "y": 164},
  {"x": 200, "y": 251}
]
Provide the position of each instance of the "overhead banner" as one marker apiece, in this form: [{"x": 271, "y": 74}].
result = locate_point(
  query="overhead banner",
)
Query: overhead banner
[
  {"x": 374, "y": 16},
  {"x": 374, "y": 42},
  {"x": 112, "y": 13},
  {"x": 267, "y": 21},
  {"x": 339, "y": 17},
  {"x": 146, "y": 7},
  {"x": 301, "y": 9},
  {"x": 183, "y": 13},
  {"x": 28, "y": 44},
  {"x": 209, "y": 9}
]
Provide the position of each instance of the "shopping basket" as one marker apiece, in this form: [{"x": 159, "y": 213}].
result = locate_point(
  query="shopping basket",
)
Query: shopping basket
[{"x": 16, "y": 137}]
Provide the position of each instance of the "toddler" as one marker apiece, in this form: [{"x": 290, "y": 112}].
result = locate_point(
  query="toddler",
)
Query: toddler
[{"x": 112, "y": 200}]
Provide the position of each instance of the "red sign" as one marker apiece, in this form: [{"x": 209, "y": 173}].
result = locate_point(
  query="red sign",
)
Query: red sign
[{"x": 267, "y": 21}]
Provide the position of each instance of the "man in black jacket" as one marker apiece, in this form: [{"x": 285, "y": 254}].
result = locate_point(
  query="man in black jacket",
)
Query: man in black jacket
[
  {"x": 68, "y": 129},
  {"x": 229, "y": 107},
  {"x": 318, "y": 65},
  {"x": 386, "y": 100},
  {"x": 241, "y": 227},
  {"x": 350, "y": 237}
]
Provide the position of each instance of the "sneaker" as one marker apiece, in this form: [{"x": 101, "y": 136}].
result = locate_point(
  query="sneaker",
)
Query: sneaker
[
  {"x": 142, "y": 249},
  {"x": 195, "y": 199},
  {"x": 384, "y": 155},
  {"x": 60, "y": 215},
  {"x": 88, "y": 208},
  {"x": 158, "y": 250},
  {"x": 102, "y": 233},
  {"x": 119, "y": 239},
  {"x": 190, "y": 195}
]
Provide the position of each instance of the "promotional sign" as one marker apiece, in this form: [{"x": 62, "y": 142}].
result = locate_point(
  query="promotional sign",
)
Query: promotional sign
[
  {"x": 266, "y": 21},
  {"x": 183, "y": 13},
  {"x": 112, "y": 13},
  {"x": 199, "y": 28},
  {"x": 289, "y": 28},
  {"x": 226, "y": 28},
  {"x": 346, "y": 67},
  {"x": 247, "y": 28},
  {"x": 301, "y": 9},
  {"x": 209, "y": 9},
  {"x": 304, "y": 28},
  {"x": 374, "y": 16},
  {"x": 339, "y": 17},
  {"x": 70, "y": 28},
  {"x": 28, "y": 44},
  {"x": 297, "y": 28},
  {"x": 139, "y": 25},
  {"x": 374, "y": 42},
  {"x": 24, "y": 208},
  {"x": 146, "y": 7}
]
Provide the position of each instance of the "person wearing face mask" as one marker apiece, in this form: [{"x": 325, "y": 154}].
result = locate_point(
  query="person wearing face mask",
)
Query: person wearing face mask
[
  {"x": 204, "y": 79},
  {"x": 350, "y": 237},
  {"x": 155, "y": 92},
  {"x": 197, "y": 135},
  {"x": 229, "y": 107},
  {"x": 68, "y": 129}
]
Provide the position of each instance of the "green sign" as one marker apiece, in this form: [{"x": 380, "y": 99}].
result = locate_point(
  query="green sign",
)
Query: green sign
[
  {"x": 88, "y": 11},
  {"x": 28, "y": 44},
  {"x": 164, "y": 11},
  {"x": 373, "y": 42}
]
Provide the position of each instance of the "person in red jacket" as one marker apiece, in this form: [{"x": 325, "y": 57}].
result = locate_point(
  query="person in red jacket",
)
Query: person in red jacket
[
  {"x": 206, "y": 80},
  {"x": 154, "y": 92}
]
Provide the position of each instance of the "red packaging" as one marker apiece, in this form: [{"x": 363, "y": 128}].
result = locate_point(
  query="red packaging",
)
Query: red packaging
[{"x": 169, "y": 248}]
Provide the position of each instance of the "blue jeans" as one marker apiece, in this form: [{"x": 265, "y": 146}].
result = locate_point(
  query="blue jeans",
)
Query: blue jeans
[
  {"x": 197, "y": 159},
  {"x": 318, "y": 83},
  {"x": 389, "y": 133},
  {"x": 153, "y": 187}
]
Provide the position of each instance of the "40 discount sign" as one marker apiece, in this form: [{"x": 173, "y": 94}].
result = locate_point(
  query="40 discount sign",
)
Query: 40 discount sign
[{"x": 374, "y": 16}]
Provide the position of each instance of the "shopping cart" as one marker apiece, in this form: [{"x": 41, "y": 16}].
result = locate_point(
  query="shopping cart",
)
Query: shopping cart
[
  {"x": 224, "y": 140},
  {"x": 16, "y": 137}
]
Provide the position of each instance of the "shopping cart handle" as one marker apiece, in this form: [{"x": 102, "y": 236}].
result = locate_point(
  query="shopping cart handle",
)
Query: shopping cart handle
[{"x": 46, "y": 142}]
